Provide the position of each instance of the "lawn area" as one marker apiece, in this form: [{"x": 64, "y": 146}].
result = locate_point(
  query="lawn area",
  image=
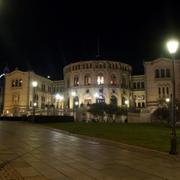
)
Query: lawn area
[{"x": 153, "y": 136}]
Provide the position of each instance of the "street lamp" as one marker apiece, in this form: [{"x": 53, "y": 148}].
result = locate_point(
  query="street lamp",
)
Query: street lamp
[
  {"x": 34, "y": 85},
  {"x": 172, "y": 47},
  {"x": 126, "y": 102},
  {"x": 75, "y": 103},
  {"x": 167, "y": 100}
]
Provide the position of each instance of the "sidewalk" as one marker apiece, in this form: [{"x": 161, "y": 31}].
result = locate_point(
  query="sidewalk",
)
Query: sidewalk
[{"x": 38, "y": 153}]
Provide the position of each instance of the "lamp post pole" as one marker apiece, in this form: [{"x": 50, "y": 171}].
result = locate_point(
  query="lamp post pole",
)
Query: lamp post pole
[
  {"x": 172, "y": 46},
  {"x": 173, "y": 110},
  {"x": 74, "y": 95}
]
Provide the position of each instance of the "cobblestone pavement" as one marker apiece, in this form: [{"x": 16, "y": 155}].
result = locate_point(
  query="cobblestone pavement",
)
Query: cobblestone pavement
[{"x": 33, "y": 152}]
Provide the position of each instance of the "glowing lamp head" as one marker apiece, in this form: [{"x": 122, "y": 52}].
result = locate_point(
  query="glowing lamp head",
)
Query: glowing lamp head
[
  {"x": 167, "y": 100},
  {"x": 73, "y": 93},
  {"x": 34, "y": 83},
  {"x": 96, "y": 95},
  {"x": 76, "y": 103},
  {"x": 61, "y": 98},
  {"x": 57, "y": 96},
  {"x": 172, "y": 46},
  {"x": 34, "y": 104},
  {"x": 126, "y": 102}
]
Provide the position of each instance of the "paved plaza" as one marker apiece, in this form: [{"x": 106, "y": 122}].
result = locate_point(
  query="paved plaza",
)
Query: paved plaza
[{"x": 33, "y": 152}]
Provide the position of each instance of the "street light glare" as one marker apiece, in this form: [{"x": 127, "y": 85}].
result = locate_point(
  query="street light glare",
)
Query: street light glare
[
  {"x": 73, "y": 93},
  {"x": 34, "y": 83},
  {"x": 167, "y": 100},
  {"x": 126, "y": 102},
  {"x": 172, "y": 46},
  {"x": 96, "y": 95},
  {"x": 59, "y": 97}
]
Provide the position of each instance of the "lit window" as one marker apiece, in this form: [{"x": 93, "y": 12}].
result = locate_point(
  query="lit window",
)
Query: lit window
[
  {"x": 76, "y": 81},
  {"x": 13, "y": 83},
  {"x": 113, "y": 80},
  {"x": 100, "y": 79},
  {"x": 20, "y": 82},
  {"x": 87, "y": 80}
]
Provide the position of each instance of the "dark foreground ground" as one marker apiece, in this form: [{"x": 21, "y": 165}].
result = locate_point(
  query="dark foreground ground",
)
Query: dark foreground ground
[{"x": 35, "y": 152}]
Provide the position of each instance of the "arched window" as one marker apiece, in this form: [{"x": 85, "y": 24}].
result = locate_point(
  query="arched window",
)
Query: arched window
[
  {"x": 16, "y": 83},
  {"x": 87, "y": 80},
  {"x": 157, "y": 73},
  {"x": 100, "y": 66},
  {"x": 113, "y": 80},
  {"x": 76, "y": 81},
  {"x": 13, "y": 83},
  {"x": 100, "y": 79},
  {"x": 20, "y": 82},
  {"x": 113, "y": 100}
]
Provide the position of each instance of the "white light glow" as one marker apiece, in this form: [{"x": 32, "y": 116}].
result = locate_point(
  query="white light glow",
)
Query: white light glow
[
  {"x": 172, "y": 46},
  {"x": 167, "y": 100},
  {"x": 96, "y": 95},
  {"x": 126, "y": 102},
  {"x": 35, "y": 104},
  {"x": 76, "y": 103},
  {"x": 73, "y": 93},
  {"x": 59, "y": 97},
  {"x": 100, "y": 79},
  {"x": 34, "y": 83}
]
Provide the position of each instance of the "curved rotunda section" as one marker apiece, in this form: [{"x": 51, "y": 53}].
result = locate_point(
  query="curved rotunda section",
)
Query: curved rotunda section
[{"x": 96, "y": 81}]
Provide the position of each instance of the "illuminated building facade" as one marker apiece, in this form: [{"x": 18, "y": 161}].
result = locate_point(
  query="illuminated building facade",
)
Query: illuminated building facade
[{"x": 88, "y": 82}]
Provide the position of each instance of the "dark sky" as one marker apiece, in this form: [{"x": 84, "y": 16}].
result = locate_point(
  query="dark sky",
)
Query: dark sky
[{"x": 45, "y": 35}]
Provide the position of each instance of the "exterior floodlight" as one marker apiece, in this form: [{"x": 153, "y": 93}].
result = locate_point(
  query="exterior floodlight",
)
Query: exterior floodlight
[
  {"x": 167, "y": 100},
  {"x": 35, "y": 104},
  {"x": 57, "y": 96},
  {"x": 34, "y": 83},
  {"x": 96, "y": 95},
  {"x": 126, "y": 102},
  {"x": 76, "y": 103},
  {"x": 61, "y": 98},
  {"x": 172, "y": 46},
  {"x": 73, "y": 93}
]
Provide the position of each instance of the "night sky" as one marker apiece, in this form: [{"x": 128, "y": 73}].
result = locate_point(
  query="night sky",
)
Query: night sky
[{"x": 46, "y": 35}]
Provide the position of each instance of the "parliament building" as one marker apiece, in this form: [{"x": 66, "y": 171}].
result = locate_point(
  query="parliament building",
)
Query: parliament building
[{"x": 88, "y": 82}]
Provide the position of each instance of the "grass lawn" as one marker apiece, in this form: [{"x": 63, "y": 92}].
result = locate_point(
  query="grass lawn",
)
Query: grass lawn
[{"x": 153, "y": 136}]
